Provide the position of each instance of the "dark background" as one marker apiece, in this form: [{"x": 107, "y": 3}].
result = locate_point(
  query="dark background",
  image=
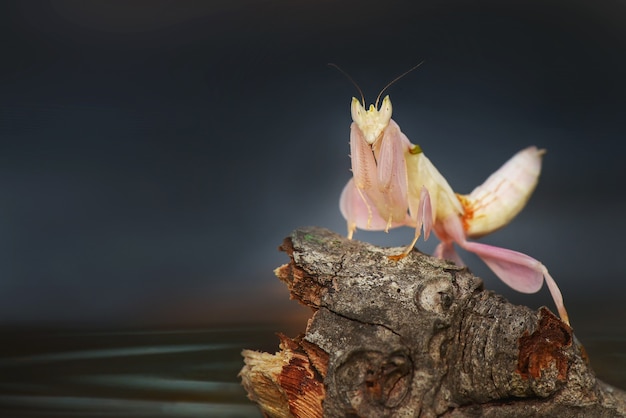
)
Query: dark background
[{"x": 153, "y": 154}]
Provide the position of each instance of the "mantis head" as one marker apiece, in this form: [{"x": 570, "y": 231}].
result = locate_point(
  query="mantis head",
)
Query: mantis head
[{"x": 372, "y": 122}]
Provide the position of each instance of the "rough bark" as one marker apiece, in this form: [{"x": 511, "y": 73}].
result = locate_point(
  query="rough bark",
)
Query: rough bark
[{"x": 419, "y": 337}]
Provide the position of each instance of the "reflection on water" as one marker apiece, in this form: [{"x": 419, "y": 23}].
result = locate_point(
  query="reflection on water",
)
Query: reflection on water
[
  {"x": 190, "y": 373},
  {"x": 183, "y": 373}
]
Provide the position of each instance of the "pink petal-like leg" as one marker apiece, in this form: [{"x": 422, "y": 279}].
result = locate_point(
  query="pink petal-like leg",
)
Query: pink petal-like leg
[
  {"x": 556, "y": 295},
  {"x": 446, "y": 251},
  {"x": 358, "y": 211},
  {"x": 519, "y": 271}
]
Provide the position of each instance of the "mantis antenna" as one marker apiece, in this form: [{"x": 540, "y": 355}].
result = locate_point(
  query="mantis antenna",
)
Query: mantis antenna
[
  {"x": 330, "y": 64},
  {"x": 393, "y": 81}
]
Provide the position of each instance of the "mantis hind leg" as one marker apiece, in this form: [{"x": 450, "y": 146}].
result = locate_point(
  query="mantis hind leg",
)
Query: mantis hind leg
[
  {"x": 407, "y": 250},
  {"x": 556, "y": 294},
  {"x": 424, "y": 220}
]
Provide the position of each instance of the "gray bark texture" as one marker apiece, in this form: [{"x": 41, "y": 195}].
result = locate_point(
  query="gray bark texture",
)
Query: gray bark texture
[{"x": 418, "y": 337}]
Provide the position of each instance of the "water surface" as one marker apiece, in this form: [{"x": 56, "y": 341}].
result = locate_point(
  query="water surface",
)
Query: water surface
[{"x": 164, "y": 373}]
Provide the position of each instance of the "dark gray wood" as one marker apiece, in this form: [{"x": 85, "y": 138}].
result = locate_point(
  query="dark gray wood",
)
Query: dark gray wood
[{"x": 420, "y": 337}]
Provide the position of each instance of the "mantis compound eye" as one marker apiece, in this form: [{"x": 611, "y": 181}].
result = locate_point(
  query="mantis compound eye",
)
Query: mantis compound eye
[
  {"x": 386, "y": 109},
  {"x": 357, "y": 110}
]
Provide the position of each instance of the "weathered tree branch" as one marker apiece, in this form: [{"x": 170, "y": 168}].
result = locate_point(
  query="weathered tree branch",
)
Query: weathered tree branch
[{"x": 419, "y": 337}]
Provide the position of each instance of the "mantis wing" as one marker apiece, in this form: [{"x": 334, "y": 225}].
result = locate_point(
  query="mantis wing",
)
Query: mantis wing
[{"x": 503, "y": 195}]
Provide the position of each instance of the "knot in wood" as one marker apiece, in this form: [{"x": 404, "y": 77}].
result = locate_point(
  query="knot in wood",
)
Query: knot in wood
[
  {"x": 372, "y": 380},
  {"x": 436, "y": 295}
]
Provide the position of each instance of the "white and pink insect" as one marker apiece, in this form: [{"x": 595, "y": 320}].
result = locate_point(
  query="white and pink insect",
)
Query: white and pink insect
[{"x": 394, "y": 184}]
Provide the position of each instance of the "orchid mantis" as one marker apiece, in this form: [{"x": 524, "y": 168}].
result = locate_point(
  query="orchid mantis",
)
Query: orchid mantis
[{"x": 394, "y": 184}]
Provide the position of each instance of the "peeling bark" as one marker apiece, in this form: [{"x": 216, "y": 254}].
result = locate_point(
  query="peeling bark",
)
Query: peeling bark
[{"x": 418, "y": 337}]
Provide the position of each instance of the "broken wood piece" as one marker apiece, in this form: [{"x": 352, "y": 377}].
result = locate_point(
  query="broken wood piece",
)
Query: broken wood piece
[{"x": 418, "y": 337}]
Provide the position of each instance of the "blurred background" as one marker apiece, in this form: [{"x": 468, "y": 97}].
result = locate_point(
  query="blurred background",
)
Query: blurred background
[{"x": 154, "y": 154}]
